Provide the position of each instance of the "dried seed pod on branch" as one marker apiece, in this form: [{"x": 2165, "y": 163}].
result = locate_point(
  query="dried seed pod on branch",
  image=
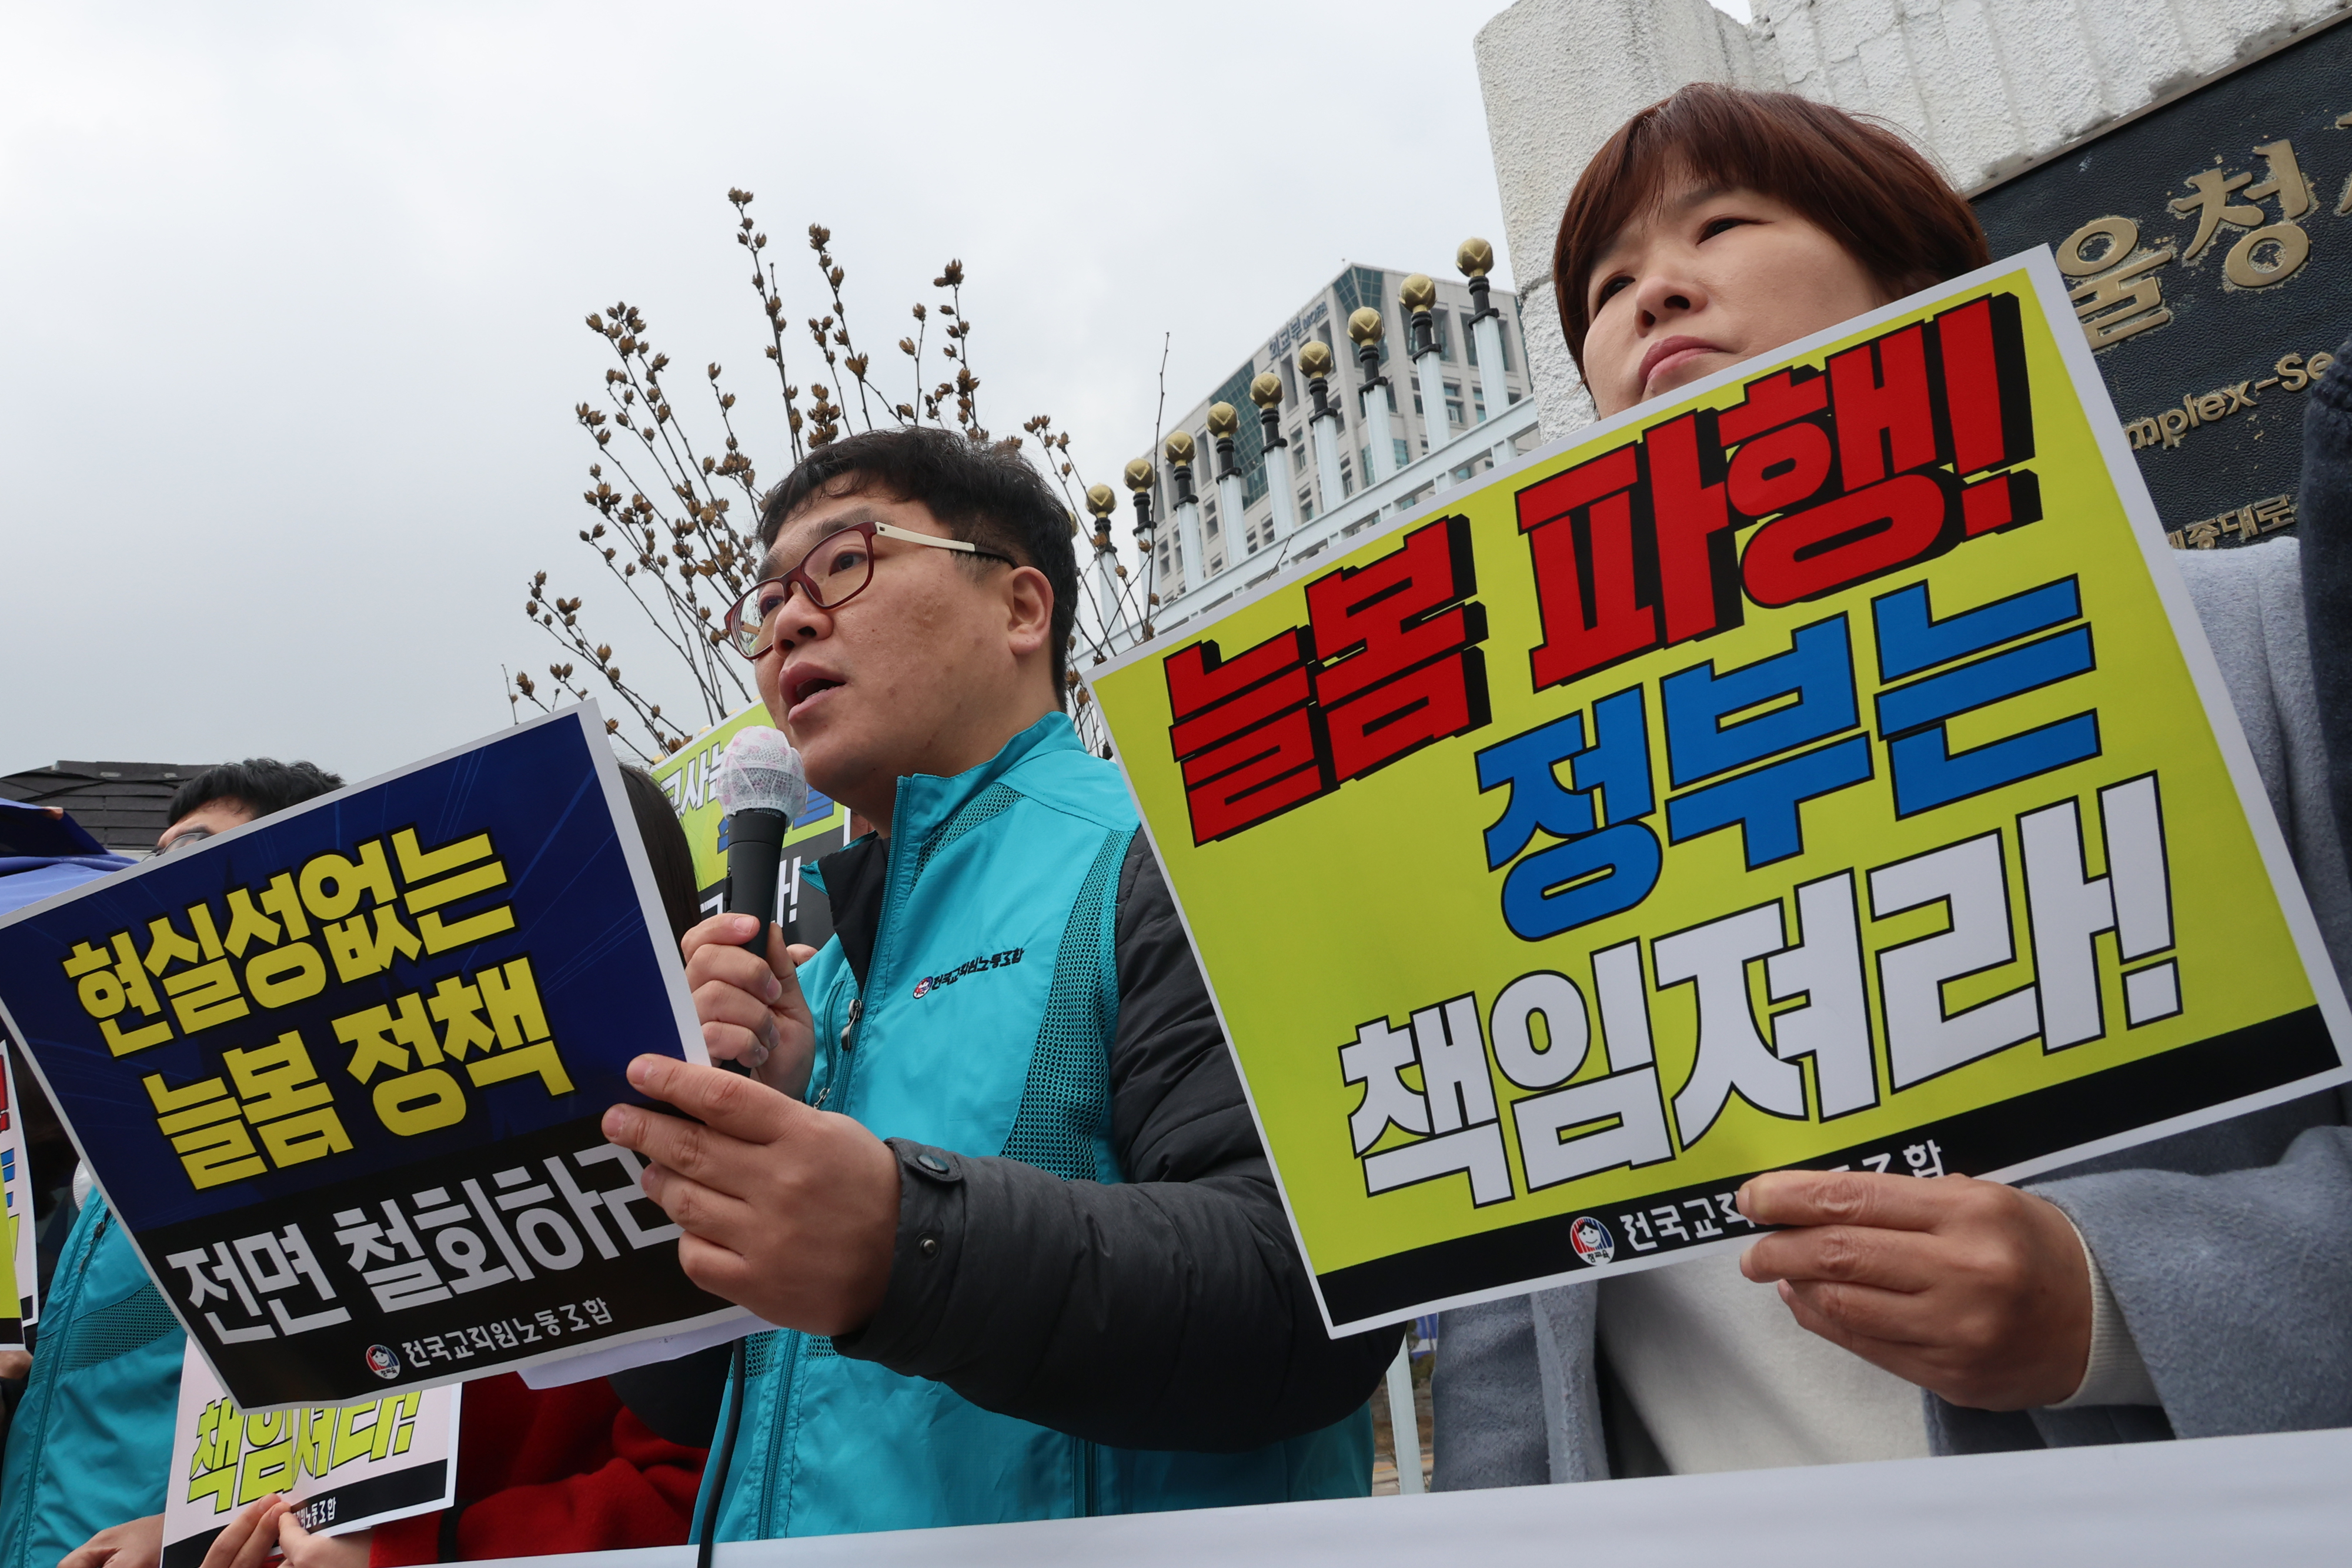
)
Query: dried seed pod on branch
[{"x": 676, "y": 495}]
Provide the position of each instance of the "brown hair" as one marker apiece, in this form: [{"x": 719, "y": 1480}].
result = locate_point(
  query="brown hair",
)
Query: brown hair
[{"x": 1861, "y": 182}]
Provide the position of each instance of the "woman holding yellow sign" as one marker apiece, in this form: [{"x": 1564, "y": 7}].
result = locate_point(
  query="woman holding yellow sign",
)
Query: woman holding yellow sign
[{"x": 2138, "y": 1303}]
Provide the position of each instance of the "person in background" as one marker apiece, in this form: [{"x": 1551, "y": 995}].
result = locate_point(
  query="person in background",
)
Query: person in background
[
  {"x": 2190, "y": 1287},
  {"x": 539, "y": 1470},
  {"x": 236, "y": 793},
  {"x": 92, "y": 1435}
]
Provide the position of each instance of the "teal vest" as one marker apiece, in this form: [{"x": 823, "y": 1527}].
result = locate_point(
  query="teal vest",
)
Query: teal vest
[
  {"x": 90, "y": 1446},
  {"x": 1008, "y": 1055}
]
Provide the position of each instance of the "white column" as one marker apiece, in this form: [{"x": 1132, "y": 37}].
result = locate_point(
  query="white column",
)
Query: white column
[
  {"x": 1192, "y": 564},
  {"x": 1378, "y": 435},
  {"x": 1325, "y": 432},
  {"x": 1106, "y": 585},
  {"x": 1229, "y": 513},
  {"x": 1281, "y": 478},
  {"x": 1404, "y": 1422},
  {"x": 1490, "y": 375},
  {"x": 1430, "y": 378}
]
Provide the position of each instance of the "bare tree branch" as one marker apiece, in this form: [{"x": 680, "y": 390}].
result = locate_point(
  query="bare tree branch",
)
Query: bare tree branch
[{"x": 666, "y": 534}]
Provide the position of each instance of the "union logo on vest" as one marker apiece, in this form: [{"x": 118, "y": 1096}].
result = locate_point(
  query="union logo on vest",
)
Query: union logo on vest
[{"x": 929, "y": 983}]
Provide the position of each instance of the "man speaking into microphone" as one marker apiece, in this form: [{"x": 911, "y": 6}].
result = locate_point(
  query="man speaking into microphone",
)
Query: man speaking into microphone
[{"x": 991, "y": 1168}]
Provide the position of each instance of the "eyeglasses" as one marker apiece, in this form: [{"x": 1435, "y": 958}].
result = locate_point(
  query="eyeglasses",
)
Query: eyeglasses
[{"x": 836, "y": 570}]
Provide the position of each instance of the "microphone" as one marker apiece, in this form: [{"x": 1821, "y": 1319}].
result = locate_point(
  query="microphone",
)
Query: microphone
[{"x": 762, "y": 787}]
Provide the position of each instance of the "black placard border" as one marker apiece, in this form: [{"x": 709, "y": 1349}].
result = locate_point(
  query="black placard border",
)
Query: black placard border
[{"x": 2140, "y": 1093}]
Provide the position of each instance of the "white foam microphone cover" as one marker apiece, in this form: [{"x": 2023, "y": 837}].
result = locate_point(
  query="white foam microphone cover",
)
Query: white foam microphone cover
[{"x": 762, "y": 772}]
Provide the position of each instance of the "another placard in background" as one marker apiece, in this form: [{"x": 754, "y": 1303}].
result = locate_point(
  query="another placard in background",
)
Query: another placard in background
[
  {"x": 344, "y": 1467},
  {"x": 20, "y": 1305}
]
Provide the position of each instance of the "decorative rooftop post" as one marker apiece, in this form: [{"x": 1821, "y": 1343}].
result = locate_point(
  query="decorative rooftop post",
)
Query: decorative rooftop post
[
  {"x": 1365, "y": 326},
  {"x": 1223, "y": 422},
  {"x": 1314, "y": 363},
  {"x": 1102, "y": 501},
  {"x": 1193, "y": 564},
  {"x": 1419, "y": 295},
  {"x": 1477, "y": 259},
  {"x": 1265, "y": 392},
  {"x": 1139, "y": 480}
]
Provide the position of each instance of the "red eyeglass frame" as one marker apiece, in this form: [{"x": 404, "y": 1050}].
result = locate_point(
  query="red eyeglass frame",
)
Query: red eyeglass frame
[{"x": 731, "y": 627}]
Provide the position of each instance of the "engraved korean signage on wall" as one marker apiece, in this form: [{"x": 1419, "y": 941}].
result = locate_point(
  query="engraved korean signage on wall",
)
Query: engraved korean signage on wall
[{"x": 2209, "y": 245}]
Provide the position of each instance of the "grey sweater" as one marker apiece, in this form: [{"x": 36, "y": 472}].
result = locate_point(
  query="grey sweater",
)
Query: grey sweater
[{"x": 2228, "y": 1250}]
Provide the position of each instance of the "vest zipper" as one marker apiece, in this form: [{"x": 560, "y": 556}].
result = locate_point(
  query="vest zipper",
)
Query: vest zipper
[
  {"x": 770, "y": 1476},
  {"x": 848, "y": 1041}
]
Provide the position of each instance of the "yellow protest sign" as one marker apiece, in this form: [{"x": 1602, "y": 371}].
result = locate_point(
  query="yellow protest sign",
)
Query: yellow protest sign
[{"x": 1822, "y": 767}]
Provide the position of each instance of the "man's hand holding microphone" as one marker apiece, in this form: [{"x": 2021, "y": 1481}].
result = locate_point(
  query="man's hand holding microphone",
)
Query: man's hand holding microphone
[{"x": 790, "y": 1211}]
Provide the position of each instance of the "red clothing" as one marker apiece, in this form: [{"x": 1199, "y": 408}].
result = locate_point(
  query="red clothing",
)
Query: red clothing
[{"x": 549, "y": 1470}]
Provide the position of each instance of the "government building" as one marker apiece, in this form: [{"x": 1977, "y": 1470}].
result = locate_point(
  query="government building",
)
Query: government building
[{"x": 1412, "y": 429}]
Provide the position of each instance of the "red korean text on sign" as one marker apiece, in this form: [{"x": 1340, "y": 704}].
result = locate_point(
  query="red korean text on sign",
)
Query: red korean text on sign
[
  {"x": 1399, "y": 666},
  {"x": 1388, "y": 664},
  {"x": 1904, "y": 447}
]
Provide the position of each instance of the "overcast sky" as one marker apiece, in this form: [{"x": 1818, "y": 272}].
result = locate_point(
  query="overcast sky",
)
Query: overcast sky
[{"x": 294, "y": 294}]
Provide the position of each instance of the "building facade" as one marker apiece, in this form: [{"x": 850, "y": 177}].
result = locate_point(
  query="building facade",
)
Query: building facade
[
  {"x": 1411, "y": 430},
  {"x": 1988, "y": 88}
]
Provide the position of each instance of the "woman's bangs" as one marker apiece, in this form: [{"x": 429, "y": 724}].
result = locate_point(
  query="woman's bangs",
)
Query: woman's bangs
[{"x": 1861, "y": 182}]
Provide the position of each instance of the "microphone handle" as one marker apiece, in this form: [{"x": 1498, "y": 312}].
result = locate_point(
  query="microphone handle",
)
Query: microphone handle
[{"x": 755, "y": 850}]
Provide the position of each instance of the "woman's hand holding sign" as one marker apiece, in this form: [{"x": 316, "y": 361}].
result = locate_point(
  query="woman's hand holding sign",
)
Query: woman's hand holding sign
[
  {"x": 271, "y": 1528},
  {"x": 751, "y": 1010},
  {"x": 790, "y": 1211},
  {"x": 1971, "y": 1290}
]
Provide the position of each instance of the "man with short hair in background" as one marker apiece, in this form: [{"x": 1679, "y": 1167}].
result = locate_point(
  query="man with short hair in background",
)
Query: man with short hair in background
[{"x": 236, "y": 793}]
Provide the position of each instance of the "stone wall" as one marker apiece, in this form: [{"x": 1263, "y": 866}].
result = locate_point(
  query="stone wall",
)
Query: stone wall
[{"x": 1985, "y": 86}]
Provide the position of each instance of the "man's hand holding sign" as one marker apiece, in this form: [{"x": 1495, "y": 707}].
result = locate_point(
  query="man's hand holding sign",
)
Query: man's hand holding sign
[{"x": 789, "y": 1211}]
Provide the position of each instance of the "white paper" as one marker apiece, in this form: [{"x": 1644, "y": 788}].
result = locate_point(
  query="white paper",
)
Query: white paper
[{"x": 605, "y": 1360}]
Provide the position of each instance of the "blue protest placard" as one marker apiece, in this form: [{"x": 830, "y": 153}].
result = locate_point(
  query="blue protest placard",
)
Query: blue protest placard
[{"x": 339, "y": 1071}]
